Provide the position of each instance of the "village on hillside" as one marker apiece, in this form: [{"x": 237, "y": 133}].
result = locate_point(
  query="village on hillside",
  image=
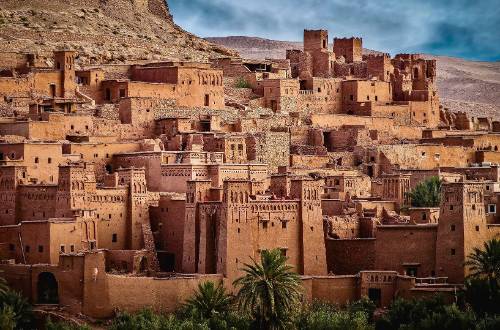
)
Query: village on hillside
[{"x": 127, "y": 185}]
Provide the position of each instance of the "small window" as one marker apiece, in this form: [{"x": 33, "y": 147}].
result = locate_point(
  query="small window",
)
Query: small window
[
  {"x": 63, "y": 248},
  {"x": 49, "y": 160},
  {"x": 40, "y": 248},
  {"x": 12, "y": 247},
  {"x": 72, "y": 248},
  {"x": 36, "y": 160},
  {"x": 451, "y": 207},
  {"x": 27, "y": 249},
  {"x": 352, "y": 97},
  {"x": 122, "y": 93},
  {"x": 114, "y": 238},
  {"x": 492, "y": 208},
  {"x": 452, "y": 228},
  {"x": 283, "y": 224},
  {"x": 453, "y": 252},
  {"x": 477, "y": 228},
  {"x": 264, "y": 224}
]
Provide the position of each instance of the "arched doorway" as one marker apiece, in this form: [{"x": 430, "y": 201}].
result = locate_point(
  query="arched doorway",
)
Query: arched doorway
[{"x": 47, "y": 289}]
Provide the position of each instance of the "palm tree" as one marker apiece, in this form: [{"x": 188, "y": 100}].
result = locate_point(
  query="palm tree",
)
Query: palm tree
[
  {"x": 427, "y": 193},
  {"x": 209, "y": 300},
  {"x": 486, "y": 262},
  {"x": 269, "y": 291}
]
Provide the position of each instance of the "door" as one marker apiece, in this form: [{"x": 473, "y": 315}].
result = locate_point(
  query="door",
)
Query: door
[{"x": 375, "y": 295}]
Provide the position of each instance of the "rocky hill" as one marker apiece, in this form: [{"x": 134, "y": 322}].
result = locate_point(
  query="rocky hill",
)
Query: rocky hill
[
  {"x": 102, "y": 31},
  {"x": 464, "y": 85}
]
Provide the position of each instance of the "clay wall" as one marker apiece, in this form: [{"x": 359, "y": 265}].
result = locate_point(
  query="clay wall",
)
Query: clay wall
[
  {"x": 418, "y": 251},
  {"x": 338, "y": 290},
  {"x": 350, "y": 256},
  {"x": 41, "y": 159},
  {"x": 100, "y": 154},
  {"x": 309, "y": 161},
  {"x": 131, "y": 294},
  {"x": 169, "y": 220}
]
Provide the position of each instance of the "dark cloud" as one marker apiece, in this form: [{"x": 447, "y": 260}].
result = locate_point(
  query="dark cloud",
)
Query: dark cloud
[{"x": 464, "y": 28}]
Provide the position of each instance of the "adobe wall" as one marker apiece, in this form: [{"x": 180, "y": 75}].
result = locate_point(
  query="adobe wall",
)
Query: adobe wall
[
  {"x": 164, "y": 295},
  {"x": 338, "y": 290},
  {"x": 419, "y": 248},
  {"x": 309, "y": 161},
  {"x": 350, "y": 256}
]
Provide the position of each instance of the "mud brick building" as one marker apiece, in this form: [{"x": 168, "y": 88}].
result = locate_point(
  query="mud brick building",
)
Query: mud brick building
[{"x": 177, "y": 173}]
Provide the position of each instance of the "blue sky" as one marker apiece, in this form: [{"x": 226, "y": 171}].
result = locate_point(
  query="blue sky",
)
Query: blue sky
[{"x": 460, "y": 28}]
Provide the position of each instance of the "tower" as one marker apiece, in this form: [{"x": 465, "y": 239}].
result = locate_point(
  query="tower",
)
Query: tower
[
  {"x": 74, "y": 181},
  {"x": 10, "y": 178},
  {"x": 315, "y": 40},
  {"x": 312, "y": 240},
  {"x": 197, "y": 192},
  {"x": 461, "y": 228},
  {"x": 236, "y": 238},
  {"x": 350, "y": 48},
  {"x": 65, "y": 62}
]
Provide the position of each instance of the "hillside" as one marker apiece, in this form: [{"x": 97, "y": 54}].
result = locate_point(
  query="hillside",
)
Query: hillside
[
  {"x": 464, "y": 85},
  {"x": 102, "y": 31}
]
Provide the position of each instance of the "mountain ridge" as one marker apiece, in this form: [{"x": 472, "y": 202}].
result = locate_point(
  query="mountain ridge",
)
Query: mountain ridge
[{"x": 101, "y": 31}]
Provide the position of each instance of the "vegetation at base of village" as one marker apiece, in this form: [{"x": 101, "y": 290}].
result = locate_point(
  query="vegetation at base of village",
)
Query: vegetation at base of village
[{"x": 269, "y": 297}]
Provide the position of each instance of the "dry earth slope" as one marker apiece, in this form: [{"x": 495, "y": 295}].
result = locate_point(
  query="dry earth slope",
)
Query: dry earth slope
[
  {"x": 464, "y": 85},
  {"x": 102, "y": 31}
]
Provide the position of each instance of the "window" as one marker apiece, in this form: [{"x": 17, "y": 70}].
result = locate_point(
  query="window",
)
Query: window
[
  {"x": 492, "y": 208},
  {"x": 27, "y": 249},
  {"x": 376, "y": 98},
  {"x": 72, "y": 248},
  {"x": 49, "y": 160},
  {"x": 264, "y": 224},
  {"x": 451, "y": 207},
  {"x": 63, "y": 248},
  {"x": 122, "y": 93},
  {"x": 283, "y": 224},
  {"x": 40, "y": 248},
  {"x": 453, "y": 252},
  {"x": 452, "y": 228},
  {"x": 114, "y": 238},
  {"x": 36, "y": 160},
  {"x": 12, "y": 247},
  {"x": 352, "y": 97},
  {"x": 477, "y": 228}
]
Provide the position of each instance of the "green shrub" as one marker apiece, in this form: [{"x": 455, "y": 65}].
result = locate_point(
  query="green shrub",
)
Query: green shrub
[
  {"x": 321, "y": 316},
  {"x": 426, "y": 193},
  {"x": 148, "y": 320},
  {"x": 242, "y": 83},
  {"x": 49, "y": 325}
]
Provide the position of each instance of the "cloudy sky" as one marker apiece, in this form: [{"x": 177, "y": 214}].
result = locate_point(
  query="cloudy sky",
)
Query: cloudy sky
[{"x": 461, "y": 28}]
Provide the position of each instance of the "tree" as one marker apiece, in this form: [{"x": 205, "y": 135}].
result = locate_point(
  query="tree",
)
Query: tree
[
  {"x": 482, "y": 289},
  {"x": 210, "y": 300},
  {"x": 7, "y": 318},
  {"x": 23, "y": 315},
  {"x": 426, "y": 193},
  {"x": 269, "y": 291},
  {"x": 486, "y": 262}
]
